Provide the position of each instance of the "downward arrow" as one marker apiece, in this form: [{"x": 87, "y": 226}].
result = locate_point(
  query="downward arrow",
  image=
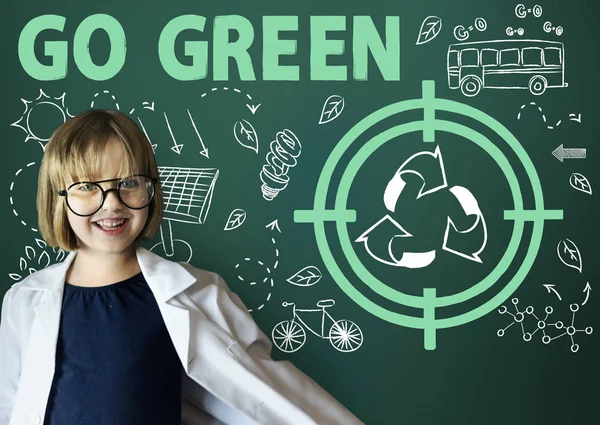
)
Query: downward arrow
[
  {"x": 253, "y": 108},
  {"x": 550, "y": 287}
]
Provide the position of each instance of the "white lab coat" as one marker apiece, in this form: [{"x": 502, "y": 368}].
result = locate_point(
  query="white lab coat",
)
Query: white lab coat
[{"x": 220, "y": 347}]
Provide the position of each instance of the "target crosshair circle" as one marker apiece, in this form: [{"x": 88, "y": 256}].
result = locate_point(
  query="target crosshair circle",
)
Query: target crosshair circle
[{"x": 341, "y": 215}]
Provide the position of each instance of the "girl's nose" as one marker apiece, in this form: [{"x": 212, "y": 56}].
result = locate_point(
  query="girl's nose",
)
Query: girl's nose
[{"x": 111, "y": 200}]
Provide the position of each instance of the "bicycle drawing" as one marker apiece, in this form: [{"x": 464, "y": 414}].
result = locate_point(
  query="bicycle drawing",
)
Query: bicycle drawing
[{"x": 290, "y": 335}]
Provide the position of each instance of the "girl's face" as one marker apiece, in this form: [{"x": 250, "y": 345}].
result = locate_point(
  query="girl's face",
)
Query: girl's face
[{"x": 94, "y": 238}]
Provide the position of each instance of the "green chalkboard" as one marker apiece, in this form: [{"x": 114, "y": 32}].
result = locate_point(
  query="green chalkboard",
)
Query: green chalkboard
[{"x": 408, "y": 186}]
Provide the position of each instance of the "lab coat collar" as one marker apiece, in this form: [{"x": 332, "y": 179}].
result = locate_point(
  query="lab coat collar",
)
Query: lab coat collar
[
  {"x": 165, "y": 278},
  {"x": 153, "y": 267}
]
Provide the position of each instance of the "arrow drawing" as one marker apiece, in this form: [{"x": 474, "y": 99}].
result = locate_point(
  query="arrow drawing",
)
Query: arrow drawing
[
  {"x": 587, "y": 291},
  {"x": 176, "y": 148},
  {"x": 274, "y": 225},
  {"x": 253, "y": 108},
  {"x": 550, "y": 287},
  {"x": 572, "y": 153},
  {"x": 204, "y": 150}
]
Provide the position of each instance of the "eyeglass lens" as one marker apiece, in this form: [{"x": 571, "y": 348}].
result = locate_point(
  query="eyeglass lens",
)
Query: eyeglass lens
[{"x": 86, "y": 198}]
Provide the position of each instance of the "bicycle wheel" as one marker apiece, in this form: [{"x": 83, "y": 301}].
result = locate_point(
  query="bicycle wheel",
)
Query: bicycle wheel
[
  {"x": 288, "y": 336},
  {"x": 345, "y": 336}
]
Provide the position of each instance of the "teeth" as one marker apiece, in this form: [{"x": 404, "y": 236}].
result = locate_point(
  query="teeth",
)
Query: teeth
[{"x": 110, "y": 223}]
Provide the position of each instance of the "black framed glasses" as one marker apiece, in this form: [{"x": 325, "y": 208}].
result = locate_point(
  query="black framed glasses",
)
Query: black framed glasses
[{"x": 86, "y": 198}]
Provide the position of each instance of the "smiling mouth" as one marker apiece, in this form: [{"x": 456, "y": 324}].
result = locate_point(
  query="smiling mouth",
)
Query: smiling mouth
[{"x": 110, "y": 224}]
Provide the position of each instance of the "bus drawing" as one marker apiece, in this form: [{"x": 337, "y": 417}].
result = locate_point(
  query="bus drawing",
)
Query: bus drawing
[{"x": 506, "y": 64}]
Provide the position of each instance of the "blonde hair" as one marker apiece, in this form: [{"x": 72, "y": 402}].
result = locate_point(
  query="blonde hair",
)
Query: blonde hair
[{"x": 76, "y": 149}]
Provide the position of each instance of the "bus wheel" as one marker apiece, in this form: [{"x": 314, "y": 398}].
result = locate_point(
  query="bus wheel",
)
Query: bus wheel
[
  {"x": 537, "y": 85},
  {"x": 470, "y": 86}
]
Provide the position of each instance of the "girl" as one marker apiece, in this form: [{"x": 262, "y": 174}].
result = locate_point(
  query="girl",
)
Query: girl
[{"x": 118, "y": 335}]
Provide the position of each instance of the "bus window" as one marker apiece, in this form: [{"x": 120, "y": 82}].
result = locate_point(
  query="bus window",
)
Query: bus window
[
  {"x": 452, "y": 58},
  {"x": 532, "y": 56},
  {"x": 509, "y": 57},
  {"x": 552, "y": 56},
  {"x": 489, "y": 57},
  {"x": 469, "y": 57}
]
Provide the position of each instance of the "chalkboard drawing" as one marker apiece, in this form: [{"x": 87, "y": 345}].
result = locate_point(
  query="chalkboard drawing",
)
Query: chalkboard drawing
[
  {"x": 332, "y": 108},
  {"x": 187, "y": 195},
  {"x": 510, "y": 31},
  {"x": 569, "y": 254},
  {"x": 290, "y": 335},
  {"x": 506, "y": 64},
  {"x": 330, "y": 214},
  {"x": 432, "y": 182},
  {"x": 42, "y": 106},
  {"x": 236, "y": 219},
  {"x": 11, "y": 197},
  {"x": 561, "y": 153},
  {"x": 308, "y": 276},
  {"x": 266, "y": 285},
  {"x": 580, "y": 183},
  {"x": 251, "y": 107},
  {"x": 37, "y": 258},
  {"x": 246, "y": 135},
  {"x": 282, "y": 156},
  {"x": 543, "y": 325},
  {"x": 204, "y": 151},
  {"x": 274, "y": 225},
  {"x": 572, "y": 117},
  {"x": 521, "y": 11},
  {"x": 461, "y": 33},
  {"x": 548, "y": 28},
  {"x": 430, "y": 28}
]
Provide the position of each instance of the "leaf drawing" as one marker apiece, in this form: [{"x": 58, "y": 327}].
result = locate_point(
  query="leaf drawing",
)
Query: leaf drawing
[
  {"x": 15, "y": 276},
  {"x": 581, "y": 183},
  {"x": 569, "y": 254},
  {"x": 308, "y": 276},
  {"x": 236, "y": 219},
  {"x": 430, "y": 28},
  {"x": 246, "y": 135},
  {"x": 332, "y": 108}
]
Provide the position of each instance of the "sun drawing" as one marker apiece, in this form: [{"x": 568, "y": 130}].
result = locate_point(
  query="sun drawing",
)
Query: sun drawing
[{"x": 41, "y": 116}]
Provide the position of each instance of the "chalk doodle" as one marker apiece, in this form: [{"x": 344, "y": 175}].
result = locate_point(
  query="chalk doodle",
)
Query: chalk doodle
[
  {"x": 535, "y": 65},
  {"x": 290, "y": 335},
  {"x": 307, "y": 276},
  {"x": 543, "y": 324},
  {"x": 561, "y": 153},
  {"x": 267, "y": 280},
  {"x": 11, "y": 198},
  {"x": 246, "y": 135},
  {"x": 332, "y": 108},
  {"x": 510, "y": 31},
  {"x": 581, "y": 183},
  {"x": 252, "y": 107},
  {"x": 569, "y": 254},
  {"x": 430, "y": 28},
  {"x": 521, "y": 11},
  {"x": 37, "y": 259},
  {"x": 236, "y": 219},
  {"x": 461, "y": 33},
  {"x": 572, "y": 117},
  {"x": 284, "y": 150},
  {"x": 187, "y": 195},
  {"x": 46, "y": 106},
  {"x": 548, "y": 28}
]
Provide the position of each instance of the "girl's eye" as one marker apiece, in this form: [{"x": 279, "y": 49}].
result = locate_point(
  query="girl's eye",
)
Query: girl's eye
[
  {"x": 129, "y": 183},
  {"x": 86, "y": 187}
]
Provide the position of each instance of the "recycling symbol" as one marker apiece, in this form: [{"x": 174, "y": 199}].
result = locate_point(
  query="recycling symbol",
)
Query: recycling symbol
[
  {"x": 453, "y": 234},
  {"x": 524, "y": 213}
]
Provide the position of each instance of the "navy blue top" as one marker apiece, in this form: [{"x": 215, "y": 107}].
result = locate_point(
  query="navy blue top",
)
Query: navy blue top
[{"x": 115, "y": 361}]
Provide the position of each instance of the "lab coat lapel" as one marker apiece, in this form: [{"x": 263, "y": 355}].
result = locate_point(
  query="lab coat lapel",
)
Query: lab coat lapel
[{"x": 166, "y": 279}]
